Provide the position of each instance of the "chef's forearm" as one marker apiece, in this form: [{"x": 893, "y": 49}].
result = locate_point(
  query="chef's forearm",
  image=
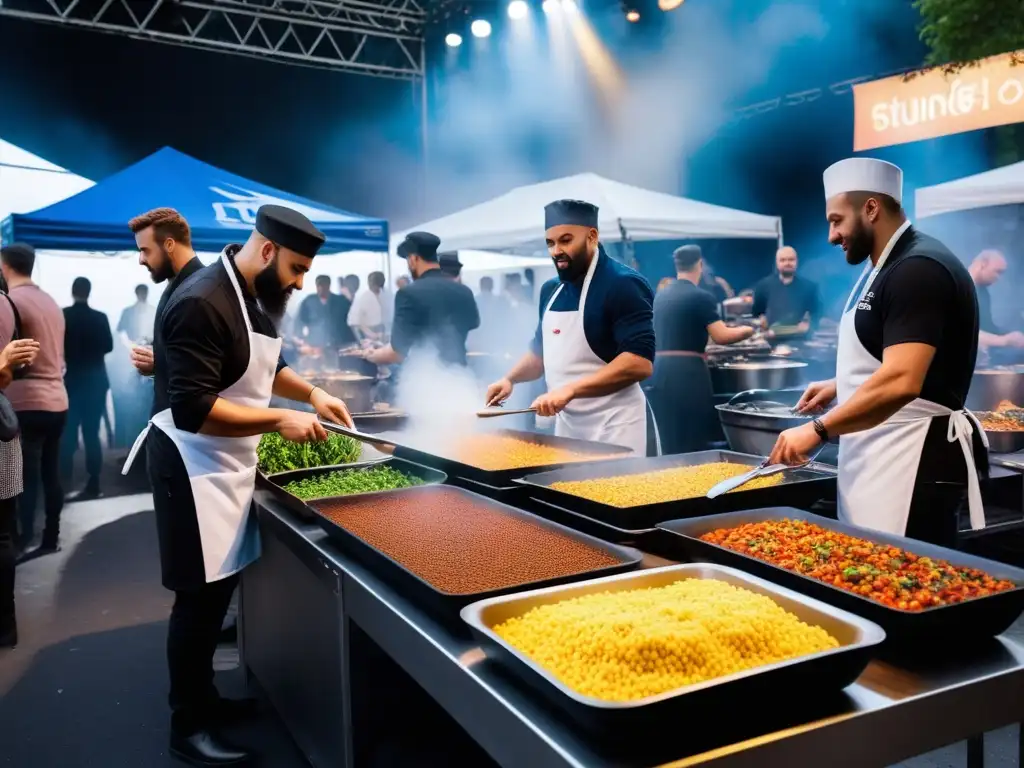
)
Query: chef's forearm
[
  {"x": 289, "y": 385},
  {"x": 530, "y": 367},
  {"x": 387, "y": 355},
  {"x": 878, "y": 398},
  {"x": 227, "y": 419},
  {"x": 986, "y": 339},
  {"x": 624, "y": 370}
]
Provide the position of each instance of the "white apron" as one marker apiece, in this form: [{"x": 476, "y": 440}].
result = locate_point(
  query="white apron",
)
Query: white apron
[
  {"x": 616, "y": 419},
  {"x": 878, "y": 466},
  {"x": 222, "y": 470}
]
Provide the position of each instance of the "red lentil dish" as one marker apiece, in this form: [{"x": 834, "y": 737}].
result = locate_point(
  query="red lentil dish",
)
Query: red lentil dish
[
  {"x": 888, "y": 575},
  {"x": 461, "y": 545}
]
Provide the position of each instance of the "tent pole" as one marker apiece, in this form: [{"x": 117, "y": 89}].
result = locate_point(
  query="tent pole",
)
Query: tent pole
[
  {"x": 781, "y": 243},
  {"x": 424, "y": 120}
]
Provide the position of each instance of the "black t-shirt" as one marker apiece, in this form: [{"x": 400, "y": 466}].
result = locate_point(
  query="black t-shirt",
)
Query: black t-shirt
[
  {"x": 786, "y": 304},
  {"x": 434, "y": 311},
  {"x": 205, "y": 345},
  {"x": 682, "y": 314},
  {"x": 925, "y": 295},
  {"x": 160, "y": 400},
  {"x": 985, "y": 320}
]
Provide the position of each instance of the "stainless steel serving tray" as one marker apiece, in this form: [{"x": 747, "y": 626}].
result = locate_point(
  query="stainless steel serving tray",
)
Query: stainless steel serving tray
[
  {"x": 824, "y": 672},
  {"x": 980, "y": 618},
  {"x": 799, "y": 487}
]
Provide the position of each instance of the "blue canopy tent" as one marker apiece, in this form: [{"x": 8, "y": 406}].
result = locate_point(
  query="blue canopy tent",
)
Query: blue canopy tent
[{"x": 220, "y": 208}]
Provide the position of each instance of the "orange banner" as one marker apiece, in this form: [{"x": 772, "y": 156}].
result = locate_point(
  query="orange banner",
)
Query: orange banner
[{"x": 931, "y": 104}]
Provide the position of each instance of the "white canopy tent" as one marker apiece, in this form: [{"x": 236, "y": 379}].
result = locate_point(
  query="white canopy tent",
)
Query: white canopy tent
[
  {"x": 515, "y": 220},
  {"x": 28, "y": 183},
  {"x": 1000, "y": 186}
]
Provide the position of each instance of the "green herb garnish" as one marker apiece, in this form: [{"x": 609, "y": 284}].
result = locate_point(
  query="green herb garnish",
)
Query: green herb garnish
[
  {"x": 275, "y": 454},
  {"x": 345, "y": 482}
]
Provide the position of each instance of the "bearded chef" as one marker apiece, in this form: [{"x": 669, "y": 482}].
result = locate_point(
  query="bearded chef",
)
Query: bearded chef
[
  {"x": 595, "y": 340},
  {"x": 219, "y": 361},
  {"x": 909, "y": 452}
]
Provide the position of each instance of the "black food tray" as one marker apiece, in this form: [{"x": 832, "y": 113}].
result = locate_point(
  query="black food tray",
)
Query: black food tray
[
  {"x": 947, "y": 625},
  {"x": 799, "y": 487},
  {"x": 445, "y": 604},
  {"x": 503, "y": 478},
  {"x": 275, "y": 483}
]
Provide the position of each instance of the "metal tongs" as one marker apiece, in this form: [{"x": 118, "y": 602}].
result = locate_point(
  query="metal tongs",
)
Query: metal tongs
[
  {"x": 499, "y": 410},
  {"x": 384, "y": 445},
  {"x": 764, "y": 469}
]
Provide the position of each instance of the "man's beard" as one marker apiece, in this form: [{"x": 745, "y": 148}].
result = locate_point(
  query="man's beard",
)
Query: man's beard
[
  {"x": 787, "y": 273},
  {"x": 576, "y": 268},
  {"x": 859, "y": 245},
  {"x": 166, "y": 269},
  {"x": 273, "y": 296}
]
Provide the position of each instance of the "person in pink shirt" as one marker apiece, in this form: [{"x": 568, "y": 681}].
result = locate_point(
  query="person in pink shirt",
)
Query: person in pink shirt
[{"x": 39, "y": 398}]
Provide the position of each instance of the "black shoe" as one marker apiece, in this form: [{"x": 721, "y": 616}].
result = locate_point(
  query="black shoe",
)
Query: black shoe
[
  {"x": 228, "y": 633},
  {"x": 9, "y": 635},
  {"x": 231, "y": 711},
  {"x": 39, "y": 551},
  {"x": 203, "y": 748}
]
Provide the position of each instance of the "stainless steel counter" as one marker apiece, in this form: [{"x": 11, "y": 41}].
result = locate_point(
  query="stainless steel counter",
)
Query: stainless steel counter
[{"x": 894, "y": 711}]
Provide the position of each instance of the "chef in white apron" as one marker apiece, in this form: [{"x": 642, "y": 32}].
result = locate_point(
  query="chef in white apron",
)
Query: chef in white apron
[
  {"x": 217, "y": 357},
  {"x": 909, "y": 450},
  {"x": 595, "y": 340}
]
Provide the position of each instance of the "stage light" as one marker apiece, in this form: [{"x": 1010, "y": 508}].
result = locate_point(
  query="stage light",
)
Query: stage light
[
  {"x": 632, "y": 15},
  {"x": 518, "y": 9},
  {"x": 569, "y": 6},
  {"x": 669, "y": 5},
  {"x": 453, "y": 40},
  {"x": 480, "y": 28},
  {"x": 549, "y": 6}
]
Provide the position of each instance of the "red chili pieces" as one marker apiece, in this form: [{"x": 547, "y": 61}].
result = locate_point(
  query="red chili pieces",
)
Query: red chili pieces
[{"x": 460, "y": 544}]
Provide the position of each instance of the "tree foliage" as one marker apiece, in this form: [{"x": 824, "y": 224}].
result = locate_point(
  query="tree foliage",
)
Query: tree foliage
[{"x": 959, "y": 32}]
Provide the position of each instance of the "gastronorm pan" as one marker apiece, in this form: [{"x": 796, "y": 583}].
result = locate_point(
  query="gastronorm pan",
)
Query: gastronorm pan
[
  {"x": 799, "y": 487},
  {"x": 502, "y": 478},
  {"x": 945, "y": 625},
  {"x": 446, "y": 604},
  {"x": 275, "y": 483},
  {"x": 821, "y": 673}
]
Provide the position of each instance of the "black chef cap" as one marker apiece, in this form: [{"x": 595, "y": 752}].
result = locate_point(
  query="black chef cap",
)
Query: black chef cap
[
  {"x": 575, "y": 212},
  {"x": 450, "y": 263},
  {"x": 686, "y": 256},
  {"x": 423, "y": 244},
  {"x": 289, "y": 229}
]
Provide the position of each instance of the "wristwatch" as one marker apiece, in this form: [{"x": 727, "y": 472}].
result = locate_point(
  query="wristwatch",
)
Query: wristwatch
[{"x": 820, "y": 430}]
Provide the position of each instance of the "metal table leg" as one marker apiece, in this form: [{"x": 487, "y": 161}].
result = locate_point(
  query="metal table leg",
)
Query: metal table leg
[{"x": 976, "y": 751}]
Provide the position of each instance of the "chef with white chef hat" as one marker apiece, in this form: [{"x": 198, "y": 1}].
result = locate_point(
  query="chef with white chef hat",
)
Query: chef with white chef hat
[{"x": 909, "y": 451}]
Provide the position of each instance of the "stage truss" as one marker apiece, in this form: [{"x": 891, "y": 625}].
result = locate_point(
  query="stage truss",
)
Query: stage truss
[{"x": 380, "y": 38}]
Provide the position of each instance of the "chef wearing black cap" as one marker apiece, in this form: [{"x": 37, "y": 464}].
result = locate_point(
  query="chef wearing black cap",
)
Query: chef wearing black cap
[
  {"x": 595, "y": 339},
  {"x": 219, "y": 364},
  {"x": 685, "y": 315},
  {"x": 435, "y": 312},
  {"x": 451, "y": 265}
]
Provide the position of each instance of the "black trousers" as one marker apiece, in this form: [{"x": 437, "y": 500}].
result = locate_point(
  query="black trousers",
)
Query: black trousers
[
  {"x": 192, "y": 635},
  {"x": 86, "y": 403},
  {"x": 40, "y": 448},
  {"x": 8, "y": 533},
  {"x": 681, "y": 396}
]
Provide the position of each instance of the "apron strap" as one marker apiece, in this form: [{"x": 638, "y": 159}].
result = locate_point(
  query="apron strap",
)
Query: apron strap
[
  {"x": 238, "y": 290},
  {"x": 136, "y": 447},
  {"x": 960, "y": 430}
]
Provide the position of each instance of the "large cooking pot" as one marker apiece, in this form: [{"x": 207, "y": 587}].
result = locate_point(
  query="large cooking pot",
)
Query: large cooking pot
[
  {"x": 768, "y": 374},
  {"x": 354, "y": 388},
  {"x": 350, "y": 363},
  {"x": 1004, "y": 440},
  {"x": 753, "y": 420},
  {"x": 990, "y": 386}
]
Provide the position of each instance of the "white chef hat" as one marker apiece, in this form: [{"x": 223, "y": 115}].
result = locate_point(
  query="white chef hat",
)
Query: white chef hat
[{"x": 864, "y": 174}]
